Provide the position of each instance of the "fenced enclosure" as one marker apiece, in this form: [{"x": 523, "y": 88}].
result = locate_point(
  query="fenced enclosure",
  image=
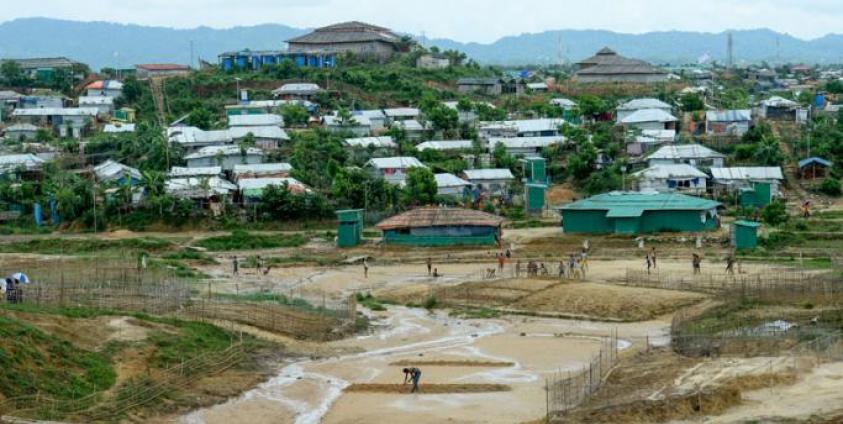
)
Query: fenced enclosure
[
  {"x": 771, "y": 286},
  {"x": 123, "y": 287},
  {"x": 134, "y": 394},
  {"x": 566, "y": 391}
]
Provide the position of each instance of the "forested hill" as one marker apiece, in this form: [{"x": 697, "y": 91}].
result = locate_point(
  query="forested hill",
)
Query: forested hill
[{"x": 103, "y": 44}]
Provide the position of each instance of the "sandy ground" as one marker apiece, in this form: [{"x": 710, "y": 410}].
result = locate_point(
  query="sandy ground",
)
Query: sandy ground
[{"x": 312, "y": 391}]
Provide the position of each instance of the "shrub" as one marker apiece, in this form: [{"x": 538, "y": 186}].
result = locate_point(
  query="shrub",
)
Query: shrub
[{"x": 830, "y": 187}]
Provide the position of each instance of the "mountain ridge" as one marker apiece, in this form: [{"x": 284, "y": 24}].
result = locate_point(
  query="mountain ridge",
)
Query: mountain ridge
[{"x": 123, "y": 45}]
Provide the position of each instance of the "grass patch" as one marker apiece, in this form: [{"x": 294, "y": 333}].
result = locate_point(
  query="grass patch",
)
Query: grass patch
[
  {"x": 277, "y": 299},
  {"x": 36, "y": 362},
  {"x": 476, "y": 313},
  {"x": 370, "y": 302},
  {"x": 242, "y": 240},
  {"x": 191, "y": 255},
  {"x": 85, "y": 245}
]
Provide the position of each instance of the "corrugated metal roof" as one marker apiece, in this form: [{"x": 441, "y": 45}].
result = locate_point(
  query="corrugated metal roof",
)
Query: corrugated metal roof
[
  {"x": 212, "y": 151},
  {"x": 397, "y": 162},
  {"x": 805, "y": 162},
  {"x": 450, "y": 180},
  {"x": 95, "y": 100},
  {"x": 410, "y": 125},
  {"x": 402, "y": 112},
  {"x": 670, "y": 171},
  {"x": 685, "y": 151},
  {"x": 347, "y": 32},
  {"x": 22, "y": 127},
  {"x": 739, "y": 115},
  {"x": 297, "y": 88},
  {"x": 526, "y": 142},
  {"x": 748, "y": 173},
  {"x": 623, "y": 204},
  {"x": 777, "y": 101},
  {"x": 525, "y": 125},
  {"x": 56, "y": 111},
  {"x": 199, "y": 171},
  {"x": 112, "y": 171},
  {"x": 648, "y": 115},
  {"x": 488, "y": 174},
  {"x": 563, "y": 103},
  {"x": 264, "y": 131},
  {"x": 105, "y": 85},
  {"x": 440, "y": 217},
  {"x": 23, "y": 160},
  {"x": 193, "y": 187},
  {"x": 253, "y": 120},
  {"x": 262, "y": 168},
  {"x": 445, "y": 145},
  {"x": 256, "y": 185},
  {"x": 118, "y": 128},
  {"x": 384, "y": 142},
  {"x": 648, "y": 103}
]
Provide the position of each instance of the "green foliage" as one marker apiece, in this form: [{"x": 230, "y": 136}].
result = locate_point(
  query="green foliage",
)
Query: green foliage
[
  {"x": 278, "y": 203},
  {"x": 430, "y": 303},
  {"x": 368, "y": 301},
  {"x": 35, "y": 362},
  {"x": 590, "y": 105},
  {"x": 242, "y": 240},
  {"x": 354, "y": 188},
  {"x": 316, "y": 157},
  {"x": 775, "y": 214},
  {"x": 294, "y": 114},
  {"x": 830, "y": 187},
  {"x": 201, "y": 118},
  {"x": 421, "y": 188},
  {"x": 78, "y": 246},
  {"x": 191, "y": 255},
  {"x": 692, "y": 102}
]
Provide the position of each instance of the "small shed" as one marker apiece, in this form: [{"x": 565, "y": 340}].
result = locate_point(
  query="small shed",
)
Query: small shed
[
  {"x": 350, "y": 230},
  {"x": 433, "y": 226},
  {"x": 639, "y": 212},
  {"x": 813, "y": 168},
  {"x": 745, "y": 234},
  {"x": 534, "y": 197},
  {"x": 760, "y": 195}
]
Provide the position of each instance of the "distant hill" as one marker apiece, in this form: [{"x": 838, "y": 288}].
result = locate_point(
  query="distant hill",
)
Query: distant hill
[{"x": 102, "y": 44}]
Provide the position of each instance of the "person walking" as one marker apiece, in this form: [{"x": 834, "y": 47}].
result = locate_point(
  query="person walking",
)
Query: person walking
[
  {"x": 649, "y": 263},
  {"x": 653, "y": 257},
  {"x": 518, "y": 268},
  {"x": 730, "y": 264},
  {"x": 501, "y": 262},
  {"x": 696, "y": 261},
  {"x": 234, "y": 265},
  {"x": 365, "y": 268},
  {"x": 429, "y": 265}
]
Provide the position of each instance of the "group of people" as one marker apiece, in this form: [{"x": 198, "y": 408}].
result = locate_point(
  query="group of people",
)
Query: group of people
[
  {"x": 261, "y": 266},
  {"x": 14, "y": 290},
  {"x": 575, "y": 267}
]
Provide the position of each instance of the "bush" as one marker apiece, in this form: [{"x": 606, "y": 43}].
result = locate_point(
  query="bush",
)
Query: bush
[
  {"x": 775, "y": 214},
  {"x": 243, "y": 240},
  {"x": 830, "y": 187},
  {"x": 430, "y": 302}
]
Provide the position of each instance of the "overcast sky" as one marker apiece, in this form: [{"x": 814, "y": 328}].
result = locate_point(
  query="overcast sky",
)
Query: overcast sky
[{"x": 464, "y": 20}]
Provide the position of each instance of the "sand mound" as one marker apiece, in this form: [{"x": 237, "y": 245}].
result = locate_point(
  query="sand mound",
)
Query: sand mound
[{"x": 428, "y": 388}]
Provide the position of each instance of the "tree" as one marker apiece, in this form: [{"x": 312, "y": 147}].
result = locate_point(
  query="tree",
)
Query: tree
[
  {"x": 443, "y": 117},
  {"x": 295, "y": 114},
  {"x": 316, "y": 157},
  {"x": 201, "y": 118},
  {"x": 421, "y": 188},
  {"x": 767, "y": 152},
  {"x": 132, "y": 91},
  {"x": 591, "y": 106},
  {"x": 775, "y": 214},
  {"x": 13, "y": 75},
  {"x": 692, "y": 102}
]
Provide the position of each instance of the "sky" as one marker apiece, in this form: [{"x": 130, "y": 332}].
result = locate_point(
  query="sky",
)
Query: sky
[{"x": 482, "y": 21}]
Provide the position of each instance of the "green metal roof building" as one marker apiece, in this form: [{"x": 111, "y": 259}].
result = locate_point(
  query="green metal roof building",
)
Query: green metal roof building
[
  {"x": 634, "y": 213},
  {"x": 745, "y": 234}
]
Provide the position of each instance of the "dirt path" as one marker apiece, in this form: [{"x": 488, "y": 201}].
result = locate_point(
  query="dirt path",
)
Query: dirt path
[{"x": 313, "y": 391}]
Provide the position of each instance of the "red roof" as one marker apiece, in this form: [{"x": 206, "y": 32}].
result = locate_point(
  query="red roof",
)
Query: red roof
[
  {"x": 96, "y": 85},
  {"x": 163, "y": 67}
]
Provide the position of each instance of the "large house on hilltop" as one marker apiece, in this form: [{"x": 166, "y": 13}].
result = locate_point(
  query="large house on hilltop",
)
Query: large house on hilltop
[
  {"x": 608, "y": 66},
  {"x": 348, "y": 37}
]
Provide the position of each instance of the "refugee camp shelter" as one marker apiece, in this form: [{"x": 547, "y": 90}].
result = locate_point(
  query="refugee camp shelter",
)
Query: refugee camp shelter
[
  {"x": 639, "y": 212},
  {"x": 433, "y": 226},
  {"x": 745, "y": 234},
  {"x": 813, "y": 168},
  {"x": 350, "y": 229}
]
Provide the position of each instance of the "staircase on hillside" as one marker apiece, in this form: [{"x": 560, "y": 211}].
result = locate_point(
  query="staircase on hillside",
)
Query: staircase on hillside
[{"x": 156, "y": 85}]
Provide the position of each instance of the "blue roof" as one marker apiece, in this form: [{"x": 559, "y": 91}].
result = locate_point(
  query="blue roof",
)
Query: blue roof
[
  {"x": 820, "y": 161},
  {"x": 743, "y": 223},
  {"x": 634, "y": 204}
]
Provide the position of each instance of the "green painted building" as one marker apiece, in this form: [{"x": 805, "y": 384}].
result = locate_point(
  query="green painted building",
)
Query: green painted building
[
  {"x": 535, "y": 187},
  {"x": 350, "y": 230},
  {"x": 745, "y": 234},
  {"x": 760, "y": 195},
  {"x": 432, "y": 226},
  {"x": 634, "y": 213}
]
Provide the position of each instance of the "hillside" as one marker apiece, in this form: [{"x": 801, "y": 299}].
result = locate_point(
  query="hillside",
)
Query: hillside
[{"x": 103, "y": 44}]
